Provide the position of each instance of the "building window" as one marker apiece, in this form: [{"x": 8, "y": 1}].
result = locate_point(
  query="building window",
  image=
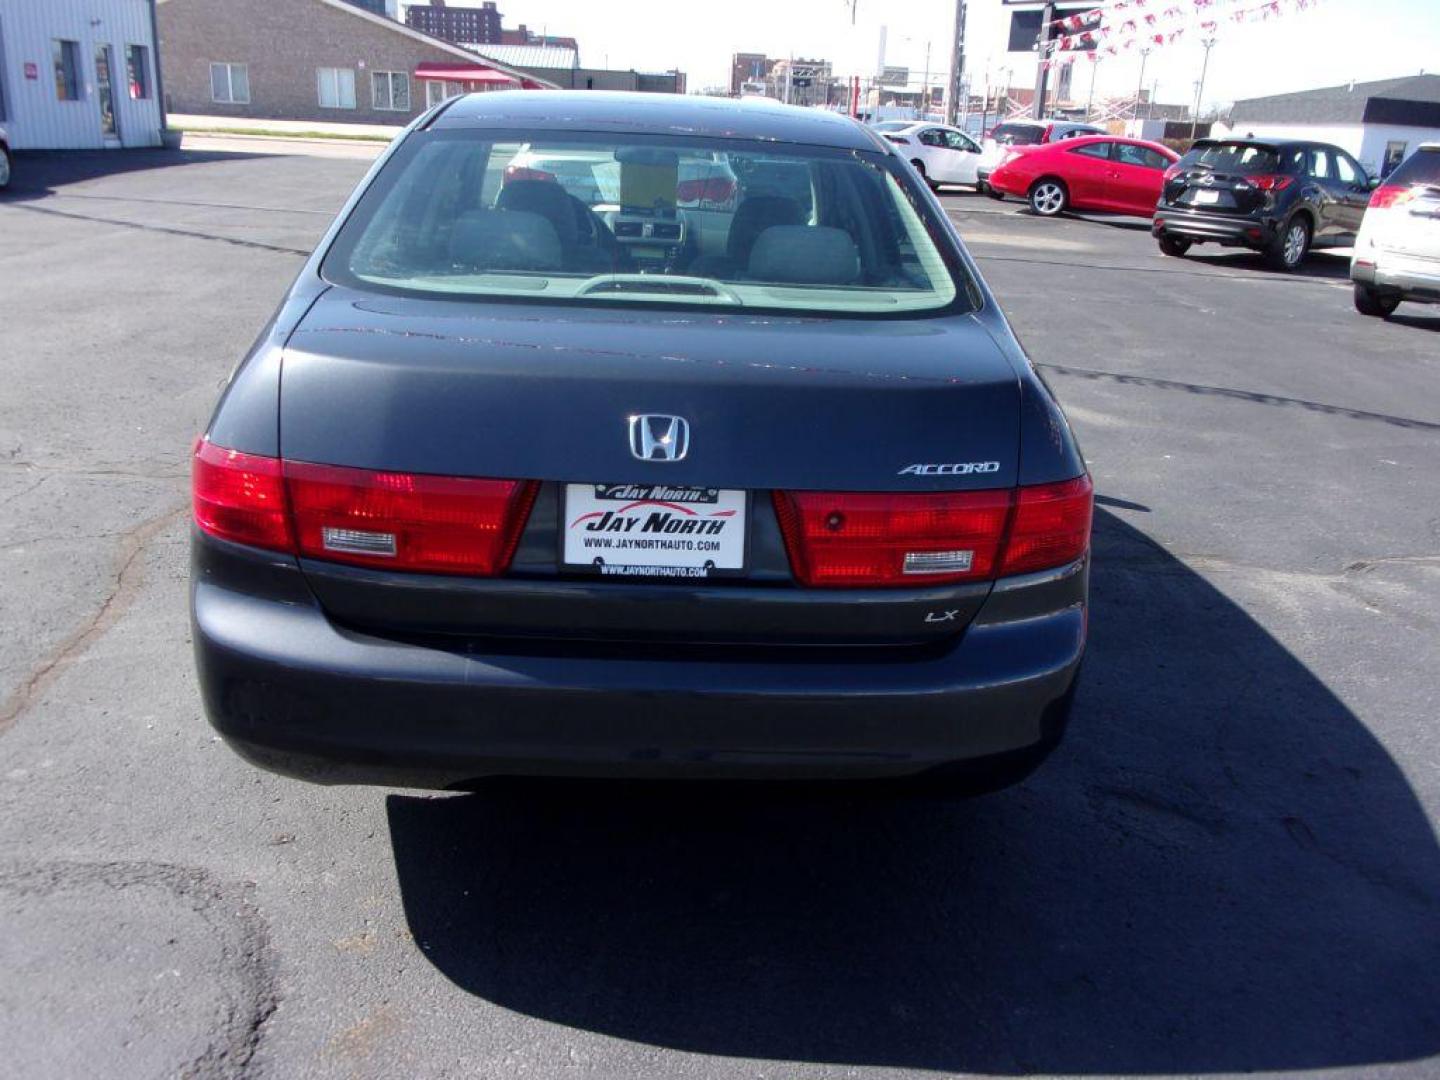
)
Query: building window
[
  {"x": 336, "y": 87},
  {"x": 230, "y": 83},
  {"x": 1394, "y": 155},
  {"x": 67, "y": 70},
  {"x": 437, "y": 91},
  {"x": 137, "y": 71},
  {"x": 391, "y": 90}
]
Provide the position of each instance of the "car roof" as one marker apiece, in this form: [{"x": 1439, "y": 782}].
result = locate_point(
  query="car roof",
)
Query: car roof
[
  {"x": 1087, "y": 140},
  {"x": 1251, "y": 140},
  {"x": 667, "y": 114}
]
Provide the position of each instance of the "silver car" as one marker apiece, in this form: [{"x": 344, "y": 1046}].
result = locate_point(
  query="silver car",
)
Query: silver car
[{"x": 1023, "y": 133}]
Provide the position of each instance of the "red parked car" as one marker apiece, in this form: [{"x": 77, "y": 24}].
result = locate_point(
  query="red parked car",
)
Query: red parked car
[{"x": 1093, "y": 172}]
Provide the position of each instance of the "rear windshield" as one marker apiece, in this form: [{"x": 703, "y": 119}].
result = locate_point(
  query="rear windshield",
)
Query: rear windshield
[
  {"x": 1232, "y": 156},
  {"x": 1421, "y": 167},
  {"x": 590, "y": 219},
  {"x": 1018, "y": 134}
]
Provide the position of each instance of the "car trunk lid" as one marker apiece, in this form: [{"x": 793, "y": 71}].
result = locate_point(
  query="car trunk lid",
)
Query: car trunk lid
[{"x": 544, "y": 393}]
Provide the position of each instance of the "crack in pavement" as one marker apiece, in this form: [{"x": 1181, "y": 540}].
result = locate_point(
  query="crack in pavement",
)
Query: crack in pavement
[
  {"x": 191, "y": 202},
  {"x": 125, "y": 585},
  {"x": 60, "y": 470},
  {"x": 1254, "y": 397},
  {"x": 228, "y": 912},
  {"x": 163, "y": 229}
]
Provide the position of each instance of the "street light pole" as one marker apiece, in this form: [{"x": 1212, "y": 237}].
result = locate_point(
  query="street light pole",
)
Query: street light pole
[
  {"x": 1140, "y": 89},
  {"x": 1042, "y": 69},
  {"x": 925, "y": 85},
  {"x": 957, "y": 65},
  {"x": 1209, "y": 44}
]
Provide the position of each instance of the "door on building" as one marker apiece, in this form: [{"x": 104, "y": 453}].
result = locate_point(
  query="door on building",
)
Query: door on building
[{"x": 105, "y": 93}]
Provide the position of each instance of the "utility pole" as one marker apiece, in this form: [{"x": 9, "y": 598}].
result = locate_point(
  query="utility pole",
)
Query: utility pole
[
  {"x": 957, "y": 65},
  {"x": 1209, "y": 44},
  {"x": 1090, "y": 100},
  {"x": 1042, "y": 47},
  {"x": 1140, "y": 89},
  {"x": 925, "y": 85}
]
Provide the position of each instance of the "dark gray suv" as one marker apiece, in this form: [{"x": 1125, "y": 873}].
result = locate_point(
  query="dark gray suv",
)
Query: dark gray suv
[{"x": 1280, "y": 197}]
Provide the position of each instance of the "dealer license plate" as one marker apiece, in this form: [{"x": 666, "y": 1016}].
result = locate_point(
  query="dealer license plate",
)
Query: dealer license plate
[{"x": 654, "y": 530}]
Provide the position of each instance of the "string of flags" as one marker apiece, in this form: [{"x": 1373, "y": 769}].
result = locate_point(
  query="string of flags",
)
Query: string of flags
[{"x": 1154, "y": 26}]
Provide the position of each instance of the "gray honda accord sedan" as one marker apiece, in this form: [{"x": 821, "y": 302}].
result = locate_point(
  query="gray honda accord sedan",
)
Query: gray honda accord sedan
[{"x": 639, "y": 436}]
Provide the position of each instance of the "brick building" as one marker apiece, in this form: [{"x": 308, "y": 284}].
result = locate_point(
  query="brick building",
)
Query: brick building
[
  {"x": 312, "y": 60},
  {"x": 462, "y": 25},
  {"x": 748, "y": 68}
]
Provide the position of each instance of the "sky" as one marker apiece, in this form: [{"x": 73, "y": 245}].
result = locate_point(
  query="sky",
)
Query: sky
[{"x": 1332, "y": 42}]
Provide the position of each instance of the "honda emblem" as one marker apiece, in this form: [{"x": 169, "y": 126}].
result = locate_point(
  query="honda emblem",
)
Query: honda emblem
[{"x": 655, "y": 437}]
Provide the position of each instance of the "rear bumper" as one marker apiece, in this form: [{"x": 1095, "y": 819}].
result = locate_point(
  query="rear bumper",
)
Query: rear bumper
[
  {"x": 1409, "y": 278},
  {"x": 1227, "y": 229},
  {"x": 297, "y": 694}
]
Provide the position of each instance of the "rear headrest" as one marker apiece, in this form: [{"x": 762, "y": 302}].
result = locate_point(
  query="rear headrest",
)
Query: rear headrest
[
  {"x": 805, "y": 255},
  {"x": 505, "y": 240},
  {"x": 752, "y": 217},
  {"x": 544, "y": 197}
]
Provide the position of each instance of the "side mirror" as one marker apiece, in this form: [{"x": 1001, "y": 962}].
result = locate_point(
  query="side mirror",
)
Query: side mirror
[{"x": 1372, "y": 183}]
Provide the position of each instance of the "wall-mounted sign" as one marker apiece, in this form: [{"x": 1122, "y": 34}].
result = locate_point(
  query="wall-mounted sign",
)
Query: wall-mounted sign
[{"x": 32, "y": 70}]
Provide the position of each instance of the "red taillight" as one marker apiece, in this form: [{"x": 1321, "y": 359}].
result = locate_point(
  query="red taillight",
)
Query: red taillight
[
  {"x": 1270, "y": 181},
  {"x": 1051, "y": 526},
  {"x": 397, "y": 521},
  {"x": 405, "y": 521},
  {"x": 1390, "y": 195},
  {"x": 240, "y": 497},
  {"x": 524, "y": 172},
  {"x": 842, "y": 539},
  {"x": 892, "y": 538}
]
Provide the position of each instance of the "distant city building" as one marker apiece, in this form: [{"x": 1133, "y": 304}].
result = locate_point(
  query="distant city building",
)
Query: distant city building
[
  {"x": 1380, "y": 123},
  {"x": 389, "y": 8},
  {"x": 561, "y": 65},
  {"x": 747, "y": 69},
  {"x": 523, "y": 35},
  {"x": 800, "y": 81},
  {"x": 461, "y": 25}
]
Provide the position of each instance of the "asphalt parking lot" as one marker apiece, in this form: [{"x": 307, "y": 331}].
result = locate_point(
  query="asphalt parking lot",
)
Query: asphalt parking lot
[{"x": 1230, "y": 865}]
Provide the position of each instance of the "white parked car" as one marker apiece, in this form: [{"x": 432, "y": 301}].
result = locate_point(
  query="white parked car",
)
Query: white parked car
[
  {"x": 1000, "y": 138},
  {"x": 1397, "y": 254},
  {"x": 940, "y": 154},
  {"x": 4, "y": 159}
]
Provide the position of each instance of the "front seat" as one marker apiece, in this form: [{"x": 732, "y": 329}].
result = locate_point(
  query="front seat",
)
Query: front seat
[
  {"x": 752, "y": 217},
  {"x": 557, "y": 206}
]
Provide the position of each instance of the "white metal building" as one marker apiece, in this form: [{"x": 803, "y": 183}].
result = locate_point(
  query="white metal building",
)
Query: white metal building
[
  {"x": 79, "y": 74},
  {"x": 1378, "y": 123}
]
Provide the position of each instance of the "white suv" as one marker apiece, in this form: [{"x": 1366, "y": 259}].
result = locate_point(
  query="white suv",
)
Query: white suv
[{"x": 1397, "y": 254}]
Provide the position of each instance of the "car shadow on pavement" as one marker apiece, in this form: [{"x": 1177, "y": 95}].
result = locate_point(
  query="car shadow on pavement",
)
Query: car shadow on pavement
[
  {"x": 1324, "y": 264},
  {"x": 1414, "y": 319},
  {"x": 1219, "y": 870}
]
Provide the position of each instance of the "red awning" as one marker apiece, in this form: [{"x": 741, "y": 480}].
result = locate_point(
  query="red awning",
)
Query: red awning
[{"x": 463, "y": 73}]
